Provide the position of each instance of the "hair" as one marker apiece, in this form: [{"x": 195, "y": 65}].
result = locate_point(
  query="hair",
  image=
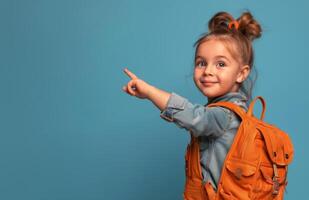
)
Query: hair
[{"x": 237, "y": 40}]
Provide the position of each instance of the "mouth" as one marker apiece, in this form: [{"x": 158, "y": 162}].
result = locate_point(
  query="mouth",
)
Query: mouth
[{"x": 207, "y": 83}]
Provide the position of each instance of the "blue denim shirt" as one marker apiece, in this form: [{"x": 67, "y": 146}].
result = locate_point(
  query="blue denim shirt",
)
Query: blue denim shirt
[{"x": 215, "y": 128}]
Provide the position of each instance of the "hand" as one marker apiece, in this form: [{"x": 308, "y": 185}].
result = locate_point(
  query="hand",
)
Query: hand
[{"x": 136, "y": 87}]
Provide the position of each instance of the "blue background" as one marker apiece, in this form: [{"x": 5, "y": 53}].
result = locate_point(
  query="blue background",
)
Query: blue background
[{"x": 68, "y": 131}]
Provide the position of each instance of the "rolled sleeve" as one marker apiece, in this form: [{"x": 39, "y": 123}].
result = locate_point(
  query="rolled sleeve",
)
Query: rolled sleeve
[
  {"x": 200, "y": 120},
  {"x": 175, "y": 104}
]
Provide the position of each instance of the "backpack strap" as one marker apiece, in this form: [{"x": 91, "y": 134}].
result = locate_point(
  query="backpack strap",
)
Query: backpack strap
[{"x": 238, "y": 110}]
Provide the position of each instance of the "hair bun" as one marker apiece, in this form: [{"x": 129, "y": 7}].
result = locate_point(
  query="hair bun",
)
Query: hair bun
[
  {"x": 248, "y": 26},
  {"x": 219, "y": 22}
]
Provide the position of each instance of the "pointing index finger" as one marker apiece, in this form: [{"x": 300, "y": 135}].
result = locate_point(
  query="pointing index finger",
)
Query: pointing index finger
[{"x": 130, "y": 74}]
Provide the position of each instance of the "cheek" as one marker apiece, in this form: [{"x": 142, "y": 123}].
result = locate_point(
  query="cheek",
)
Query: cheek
[
  {"x": 228, "y": 78},
  {"x": 197, "y": 72},
  {"x": 196, "y": 78}
]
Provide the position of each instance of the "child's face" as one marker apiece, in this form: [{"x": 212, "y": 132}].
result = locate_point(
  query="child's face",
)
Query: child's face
[{"x": 216, "y": 71}]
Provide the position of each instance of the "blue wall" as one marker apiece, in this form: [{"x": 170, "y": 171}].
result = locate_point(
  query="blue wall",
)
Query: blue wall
[{"x": 67, "y": 129}]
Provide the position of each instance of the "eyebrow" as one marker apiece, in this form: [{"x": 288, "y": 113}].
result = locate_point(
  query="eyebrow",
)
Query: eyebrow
[{"x": 219, "y": 56}]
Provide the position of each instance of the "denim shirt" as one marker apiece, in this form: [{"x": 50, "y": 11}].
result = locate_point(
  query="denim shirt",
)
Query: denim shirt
[{"x": 215, "y": 128}]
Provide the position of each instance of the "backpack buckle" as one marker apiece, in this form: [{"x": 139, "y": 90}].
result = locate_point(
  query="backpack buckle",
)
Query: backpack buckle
[{"x": 275, "y": 180}]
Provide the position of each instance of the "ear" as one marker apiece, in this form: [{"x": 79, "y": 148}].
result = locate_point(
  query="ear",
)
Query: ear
[{"x": 243, "y": 73}]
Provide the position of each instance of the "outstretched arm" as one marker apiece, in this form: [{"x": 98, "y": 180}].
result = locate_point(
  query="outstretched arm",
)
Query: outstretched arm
[
  {"x": 174, "y": 108},
  {"x": 158, "y": 97}
]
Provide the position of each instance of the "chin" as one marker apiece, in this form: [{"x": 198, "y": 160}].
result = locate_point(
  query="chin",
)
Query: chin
[
  {"x": 210, "y": 92},
  {"x": 210, "y": 96}
]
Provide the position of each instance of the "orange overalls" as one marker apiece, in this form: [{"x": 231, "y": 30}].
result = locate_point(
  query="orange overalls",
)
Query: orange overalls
[{"x": 195, "y": 188}]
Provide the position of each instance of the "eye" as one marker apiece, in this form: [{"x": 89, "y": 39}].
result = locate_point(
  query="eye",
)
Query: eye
[
  {"x": 221, "y": 64},
  {"x": 200, "y": 63}
]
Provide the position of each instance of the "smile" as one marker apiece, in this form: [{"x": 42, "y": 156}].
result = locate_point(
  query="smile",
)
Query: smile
[{"x": 208, "y": 83}]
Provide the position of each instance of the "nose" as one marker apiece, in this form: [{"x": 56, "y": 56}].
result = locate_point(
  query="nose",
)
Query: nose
[{"x": 209, "y": 70}]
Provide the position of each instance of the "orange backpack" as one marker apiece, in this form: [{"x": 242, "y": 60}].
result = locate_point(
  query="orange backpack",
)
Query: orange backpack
[{"x": 256, "y": 165}]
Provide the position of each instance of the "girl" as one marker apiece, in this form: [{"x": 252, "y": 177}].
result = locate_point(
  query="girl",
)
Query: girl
[{"x": 223, "y": 62}]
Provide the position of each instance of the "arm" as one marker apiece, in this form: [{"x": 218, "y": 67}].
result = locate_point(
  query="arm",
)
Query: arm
[
  {"x": 174, "y": 108},
  {"x": 200, "y": 120},
  {"x": 158, "y": 97}
]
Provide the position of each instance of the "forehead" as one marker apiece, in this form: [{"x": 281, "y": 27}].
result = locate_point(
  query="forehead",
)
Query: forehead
[{"x": 213, "y": 48}]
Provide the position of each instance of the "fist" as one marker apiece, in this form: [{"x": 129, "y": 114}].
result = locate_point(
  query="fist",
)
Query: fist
[{"x": 136, "y": 87}]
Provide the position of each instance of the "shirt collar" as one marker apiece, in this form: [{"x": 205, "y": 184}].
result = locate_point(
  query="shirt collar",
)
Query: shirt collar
[{"x": 230, "y": 96}]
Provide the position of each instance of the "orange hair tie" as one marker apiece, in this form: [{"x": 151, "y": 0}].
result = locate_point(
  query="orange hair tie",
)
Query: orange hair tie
[{"x": 233, "y": 23}]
